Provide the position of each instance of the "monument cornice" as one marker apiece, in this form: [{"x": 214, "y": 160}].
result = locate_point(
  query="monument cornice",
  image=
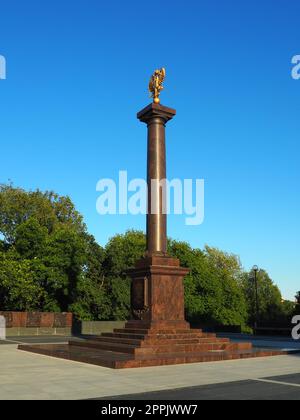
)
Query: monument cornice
[
  {"x": 158, "y": 270},
  {"x": 156, "y": 111}
]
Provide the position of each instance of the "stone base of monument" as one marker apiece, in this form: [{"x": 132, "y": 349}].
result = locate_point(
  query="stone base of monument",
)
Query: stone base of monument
[
  {"x": 160, "y": 335},
  {"x": 142, "y": 345}
]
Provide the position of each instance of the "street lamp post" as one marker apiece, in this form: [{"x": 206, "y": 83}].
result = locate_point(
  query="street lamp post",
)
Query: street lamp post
[{"x": 255, "y": 269}]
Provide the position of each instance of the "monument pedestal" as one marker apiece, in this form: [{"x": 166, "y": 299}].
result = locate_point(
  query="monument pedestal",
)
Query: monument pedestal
[
  {"x": 159, "y": 334},
  {"x": 157, "y": 292}
]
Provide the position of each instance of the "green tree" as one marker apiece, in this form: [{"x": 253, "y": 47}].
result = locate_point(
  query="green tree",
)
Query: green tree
[
  {"x": 288, "y": 310},
  {"x": 47, "y": 252},
  {"x": 212, "y": 292},
  {"x": 121, "y": 253},
  {"x": 269, "y": 297},
  {"x": 30, "y": 238},
  {"x": 49, "y": 209},
  {"x": 64, "y": 259},
  {"x": 18, "y": 289},
  {"x": 92, "y": 301}
]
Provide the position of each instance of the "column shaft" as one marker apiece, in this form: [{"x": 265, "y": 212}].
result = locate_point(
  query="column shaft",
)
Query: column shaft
[
  {"x": 156, "y": 173},
  {"x": 156, "y": 117}
]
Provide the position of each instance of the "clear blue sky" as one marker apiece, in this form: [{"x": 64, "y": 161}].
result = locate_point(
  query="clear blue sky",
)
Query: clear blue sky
[{"x": 77, "y": 73}]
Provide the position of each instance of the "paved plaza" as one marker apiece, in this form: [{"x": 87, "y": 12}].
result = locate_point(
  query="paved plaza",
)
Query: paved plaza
[{"x": 29, "y": 376}]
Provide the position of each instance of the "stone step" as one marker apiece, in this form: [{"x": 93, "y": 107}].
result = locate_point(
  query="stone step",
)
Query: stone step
[
  {"x": 109, "y": 346},
  {"x": 122, "y": 360},
  {"x": 160, "y": 338},
  {"x": 88, "y": 355},
  {"x": 156, "y": 331},
  {"x": 124, "y": 335},
  {"x": 159, "y": 325},
  {"x": 149, "y": 333},
  {"x": 167, "y": 347},
  {"x": 154, "y": 341},
  {"x": 183, "y": 358},
  {"x": 149, "y": 341},
  {"x": 131, "y": 331},
  {"x": 190, "y": 335},
  {"x": 240, "y": 346},
  {"x": 189, "y": 348},
  {"x": 122, "y": 340}
]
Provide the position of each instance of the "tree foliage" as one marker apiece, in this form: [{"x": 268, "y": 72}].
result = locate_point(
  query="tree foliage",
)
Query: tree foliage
[
  {"x": 49, "y": 262},
  {"x": 45, "y": 249},
  {"x": 271, "y": 307},
  {"x": 212, "y": 292}
]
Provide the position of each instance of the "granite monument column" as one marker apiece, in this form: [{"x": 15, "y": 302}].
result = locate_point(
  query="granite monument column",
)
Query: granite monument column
[
  {"x": 156, "y": 117},
  {"x": 157, "y": 293}
]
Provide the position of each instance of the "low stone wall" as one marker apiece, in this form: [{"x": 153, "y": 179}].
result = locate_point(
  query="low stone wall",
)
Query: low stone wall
[
  {"x": 37, "y": 323},
  {"x": 98, "y": 327},
  {"x": 48, "y": 323},
  {"x": 29, "y": 332}
]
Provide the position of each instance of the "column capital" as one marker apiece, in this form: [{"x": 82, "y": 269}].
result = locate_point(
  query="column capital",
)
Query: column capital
[{"x": 156, "y": 111}]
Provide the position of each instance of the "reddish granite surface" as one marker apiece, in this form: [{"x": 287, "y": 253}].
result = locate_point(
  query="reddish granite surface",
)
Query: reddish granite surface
[
  {"x": 136, "y": 346},
  {"x": 37, "y": 319}
]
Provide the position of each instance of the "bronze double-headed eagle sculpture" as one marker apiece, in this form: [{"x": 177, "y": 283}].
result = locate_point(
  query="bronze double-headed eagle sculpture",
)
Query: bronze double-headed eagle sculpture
[{"x": 156, "y": 84}]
